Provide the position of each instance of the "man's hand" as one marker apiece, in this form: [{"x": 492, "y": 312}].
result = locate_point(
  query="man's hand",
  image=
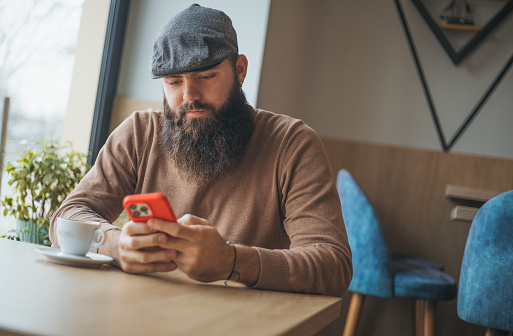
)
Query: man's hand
[
  {"x": 191, "y": 244},
  {"x": 137, "y": 250},
  {"x": 198, "y": 249}
]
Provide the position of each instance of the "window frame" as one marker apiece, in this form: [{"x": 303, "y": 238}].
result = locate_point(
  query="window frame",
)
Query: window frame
[{"x": 108, "y": 79}]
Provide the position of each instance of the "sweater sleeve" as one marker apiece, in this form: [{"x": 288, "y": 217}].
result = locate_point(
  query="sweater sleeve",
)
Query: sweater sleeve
[
  {"x": 319, "y": 257},
  {"x": 98, "y": 197}
]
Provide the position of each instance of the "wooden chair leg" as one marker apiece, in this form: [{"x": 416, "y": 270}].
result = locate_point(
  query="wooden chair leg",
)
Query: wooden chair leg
[
  {"x": 355, "y": 308},
  {"x": 429, "y": 318},
  {"x": 496, "y": 332},
  {"x": 419, "y": 317}
]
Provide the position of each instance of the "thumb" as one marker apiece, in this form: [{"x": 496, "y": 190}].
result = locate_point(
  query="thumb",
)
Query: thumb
[{"x": 189, "y": 219}]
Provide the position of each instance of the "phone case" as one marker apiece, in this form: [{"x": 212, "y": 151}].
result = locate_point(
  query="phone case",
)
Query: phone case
[{"x": 142, "y": 207}]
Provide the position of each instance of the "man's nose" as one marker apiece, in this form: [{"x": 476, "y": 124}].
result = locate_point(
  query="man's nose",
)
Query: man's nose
[{"x": 191, "y": 91}]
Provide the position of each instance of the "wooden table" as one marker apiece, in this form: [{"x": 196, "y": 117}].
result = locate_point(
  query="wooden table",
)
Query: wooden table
[{"x": 43, "y": 298}]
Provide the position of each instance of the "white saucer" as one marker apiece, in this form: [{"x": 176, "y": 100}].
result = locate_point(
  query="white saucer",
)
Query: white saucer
[{"x": 58, "y": 257}]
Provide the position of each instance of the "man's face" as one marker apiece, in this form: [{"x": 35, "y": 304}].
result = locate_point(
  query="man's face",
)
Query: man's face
[
  {"x": 198, "y": 94},
  {"x": 206, "y": 133}
]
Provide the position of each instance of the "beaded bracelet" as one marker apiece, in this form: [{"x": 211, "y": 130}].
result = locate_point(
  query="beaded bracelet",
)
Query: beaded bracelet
[{"x": 233, "y": 266}]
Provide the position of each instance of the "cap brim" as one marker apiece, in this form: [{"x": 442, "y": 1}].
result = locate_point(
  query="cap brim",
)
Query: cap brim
[{"x": 206, "y": 68}]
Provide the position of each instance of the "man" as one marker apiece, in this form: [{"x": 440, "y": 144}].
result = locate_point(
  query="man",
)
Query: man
[{"x": 253, "y": 190}]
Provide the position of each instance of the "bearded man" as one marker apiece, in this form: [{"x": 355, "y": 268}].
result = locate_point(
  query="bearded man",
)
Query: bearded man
[{"x": 253, "y": 190}]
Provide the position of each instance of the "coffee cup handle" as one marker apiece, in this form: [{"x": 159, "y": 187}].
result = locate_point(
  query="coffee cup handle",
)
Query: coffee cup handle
[{"x": 96, "y": 243}]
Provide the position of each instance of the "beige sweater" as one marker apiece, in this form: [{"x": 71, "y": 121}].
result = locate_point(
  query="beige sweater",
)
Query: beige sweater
[{"x": 281, "y": 198}]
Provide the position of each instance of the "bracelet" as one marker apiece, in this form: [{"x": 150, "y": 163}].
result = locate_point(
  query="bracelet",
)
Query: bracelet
[
  {"x": 113, "y": 228},
  {"x": 233, "y": 266}
]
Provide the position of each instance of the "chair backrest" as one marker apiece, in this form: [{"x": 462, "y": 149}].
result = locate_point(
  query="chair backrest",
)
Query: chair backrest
[
  {"x": 371, "y": 261},
  {"x": 485, "y": 294}
]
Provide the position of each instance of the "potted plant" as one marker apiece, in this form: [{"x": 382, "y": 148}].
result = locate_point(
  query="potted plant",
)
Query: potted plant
[{"x": 40, "y": 180}]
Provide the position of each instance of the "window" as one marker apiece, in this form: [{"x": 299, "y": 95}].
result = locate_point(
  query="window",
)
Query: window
[{"x": 37, "y": 50}]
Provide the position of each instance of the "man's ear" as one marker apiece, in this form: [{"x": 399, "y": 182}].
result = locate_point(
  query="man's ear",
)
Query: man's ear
[{"x": 241, "y": 67}]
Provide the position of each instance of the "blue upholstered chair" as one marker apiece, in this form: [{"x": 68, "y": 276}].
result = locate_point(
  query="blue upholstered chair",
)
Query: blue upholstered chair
[
  {"x": 485, "y": 294},
  {"x": 377, "y": 273}
]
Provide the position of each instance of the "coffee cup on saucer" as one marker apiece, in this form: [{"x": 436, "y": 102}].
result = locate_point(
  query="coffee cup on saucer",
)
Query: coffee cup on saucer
[{"x": 77, "y": 237}]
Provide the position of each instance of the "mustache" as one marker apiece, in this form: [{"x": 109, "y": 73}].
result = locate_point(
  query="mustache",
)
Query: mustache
[{"x": 195, "y": 105}]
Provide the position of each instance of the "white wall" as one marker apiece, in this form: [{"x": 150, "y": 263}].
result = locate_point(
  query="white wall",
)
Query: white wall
[
  {"x": 345, "y": 68},
  {"x": 148, "y": 16}
]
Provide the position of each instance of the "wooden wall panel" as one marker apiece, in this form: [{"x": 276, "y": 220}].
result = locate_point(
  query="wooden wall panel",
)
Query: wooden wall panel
[{"x": 125, "y": 106}]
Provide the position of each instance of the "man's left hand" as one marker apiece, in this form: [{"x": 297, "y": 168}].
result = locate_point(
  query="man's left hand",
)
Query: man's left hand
[{"x": 196, "y": 247}]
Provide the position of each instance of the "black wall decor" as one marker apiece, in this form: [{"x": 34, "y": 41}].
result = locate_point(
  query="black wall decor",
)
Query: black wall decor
[
  {"x": 447, "y": 145},
  {"x": 458, "y": 56}
]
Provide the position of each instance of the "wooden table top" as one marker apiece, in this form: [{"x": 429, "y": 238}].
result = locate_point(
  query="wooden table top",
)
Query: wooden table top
[{"x": 43, "y": 298}]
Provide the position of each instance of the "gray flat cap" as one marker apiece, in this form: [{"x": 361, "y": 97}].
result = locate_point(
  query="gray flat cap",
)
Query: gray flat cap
[{"x": 198, "y": 38}]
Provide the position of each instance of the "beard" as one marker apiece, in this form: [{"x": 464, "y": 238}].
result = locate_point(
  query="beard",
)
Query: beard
[{"x": 205, "y": 149}]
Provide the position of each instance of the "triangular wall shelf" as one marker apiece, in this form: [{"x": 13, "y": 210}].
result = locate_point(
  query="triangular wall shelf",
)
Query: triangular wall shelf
[{"x": 458, "y": 56}]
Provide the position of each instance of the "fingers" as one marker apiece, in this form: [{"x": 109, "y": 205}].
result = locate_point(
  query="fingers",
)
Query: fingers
[
  {"x": 186, "y": 227},
  {"x": 149, "y": 268},
  {"x": 202, "y": 253},
  {"x": 127, "y": 242},
  {"x": 191, "y": 244},
  {"x": 146, "y": 260},
  {"x": 140, "y": 236},
  {"x": 140, "y": 251},
  {"x": 147, "y": 257},
  {"x": 133, "y": 228},
  {"x": 192, "y": 220}
]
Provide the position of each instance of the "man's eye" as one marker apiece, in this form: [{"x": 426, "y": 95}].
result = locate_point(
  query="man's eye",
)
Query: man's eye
[
  {"x": 174, "y": 82},
  {"x": 207, "y": 76}
]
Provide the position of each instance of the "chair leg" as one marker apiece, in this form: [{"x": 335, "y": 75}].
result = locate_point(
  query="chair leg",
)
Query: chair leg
[
  {"x": 424, "y": 318},
  {"x": 419, "y": 314},
  {"x": 429, "y": 318},
  {"x": 355, "y": 307},
  {"x": 496, "y": 332}
]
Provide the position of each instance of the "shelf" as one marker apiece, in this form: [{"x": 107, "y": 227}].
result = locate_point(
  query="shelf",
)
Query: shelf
[
  {"x": 472, "y": 197},
  {"x": 463, "y": 213},
  {"x": 470, "y": 194},
  {"x": 461, "y": 27}
]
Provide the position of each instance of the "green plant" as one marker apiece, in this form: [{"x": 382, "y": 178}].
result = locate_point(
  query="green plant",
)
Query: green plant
[
  {"x": 41, "y": 179},
  {"x": 13, "y": 236}
]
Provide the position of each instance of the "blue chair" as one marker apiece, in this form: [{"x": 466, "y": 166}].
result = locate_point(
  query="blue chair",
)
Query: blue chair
[
  {"x": 485, "y": 294},
  {"x": 377, "y": 273}
]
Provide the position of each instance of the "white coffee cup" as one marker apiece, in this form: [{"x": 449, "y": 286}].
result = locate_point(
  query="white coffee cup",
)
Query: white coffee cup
[{"x": 78, "y": 237}]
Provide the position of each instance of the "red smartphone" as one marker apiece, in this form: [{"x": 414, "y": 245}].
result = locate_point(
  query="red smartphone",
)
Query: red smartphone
[{"x": 142, "y": 207}]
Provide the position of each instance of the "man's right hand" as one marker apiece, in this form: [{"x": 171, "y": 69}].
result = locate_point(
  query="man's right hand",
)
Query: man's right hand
[{"x": 136, "y": 249}]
